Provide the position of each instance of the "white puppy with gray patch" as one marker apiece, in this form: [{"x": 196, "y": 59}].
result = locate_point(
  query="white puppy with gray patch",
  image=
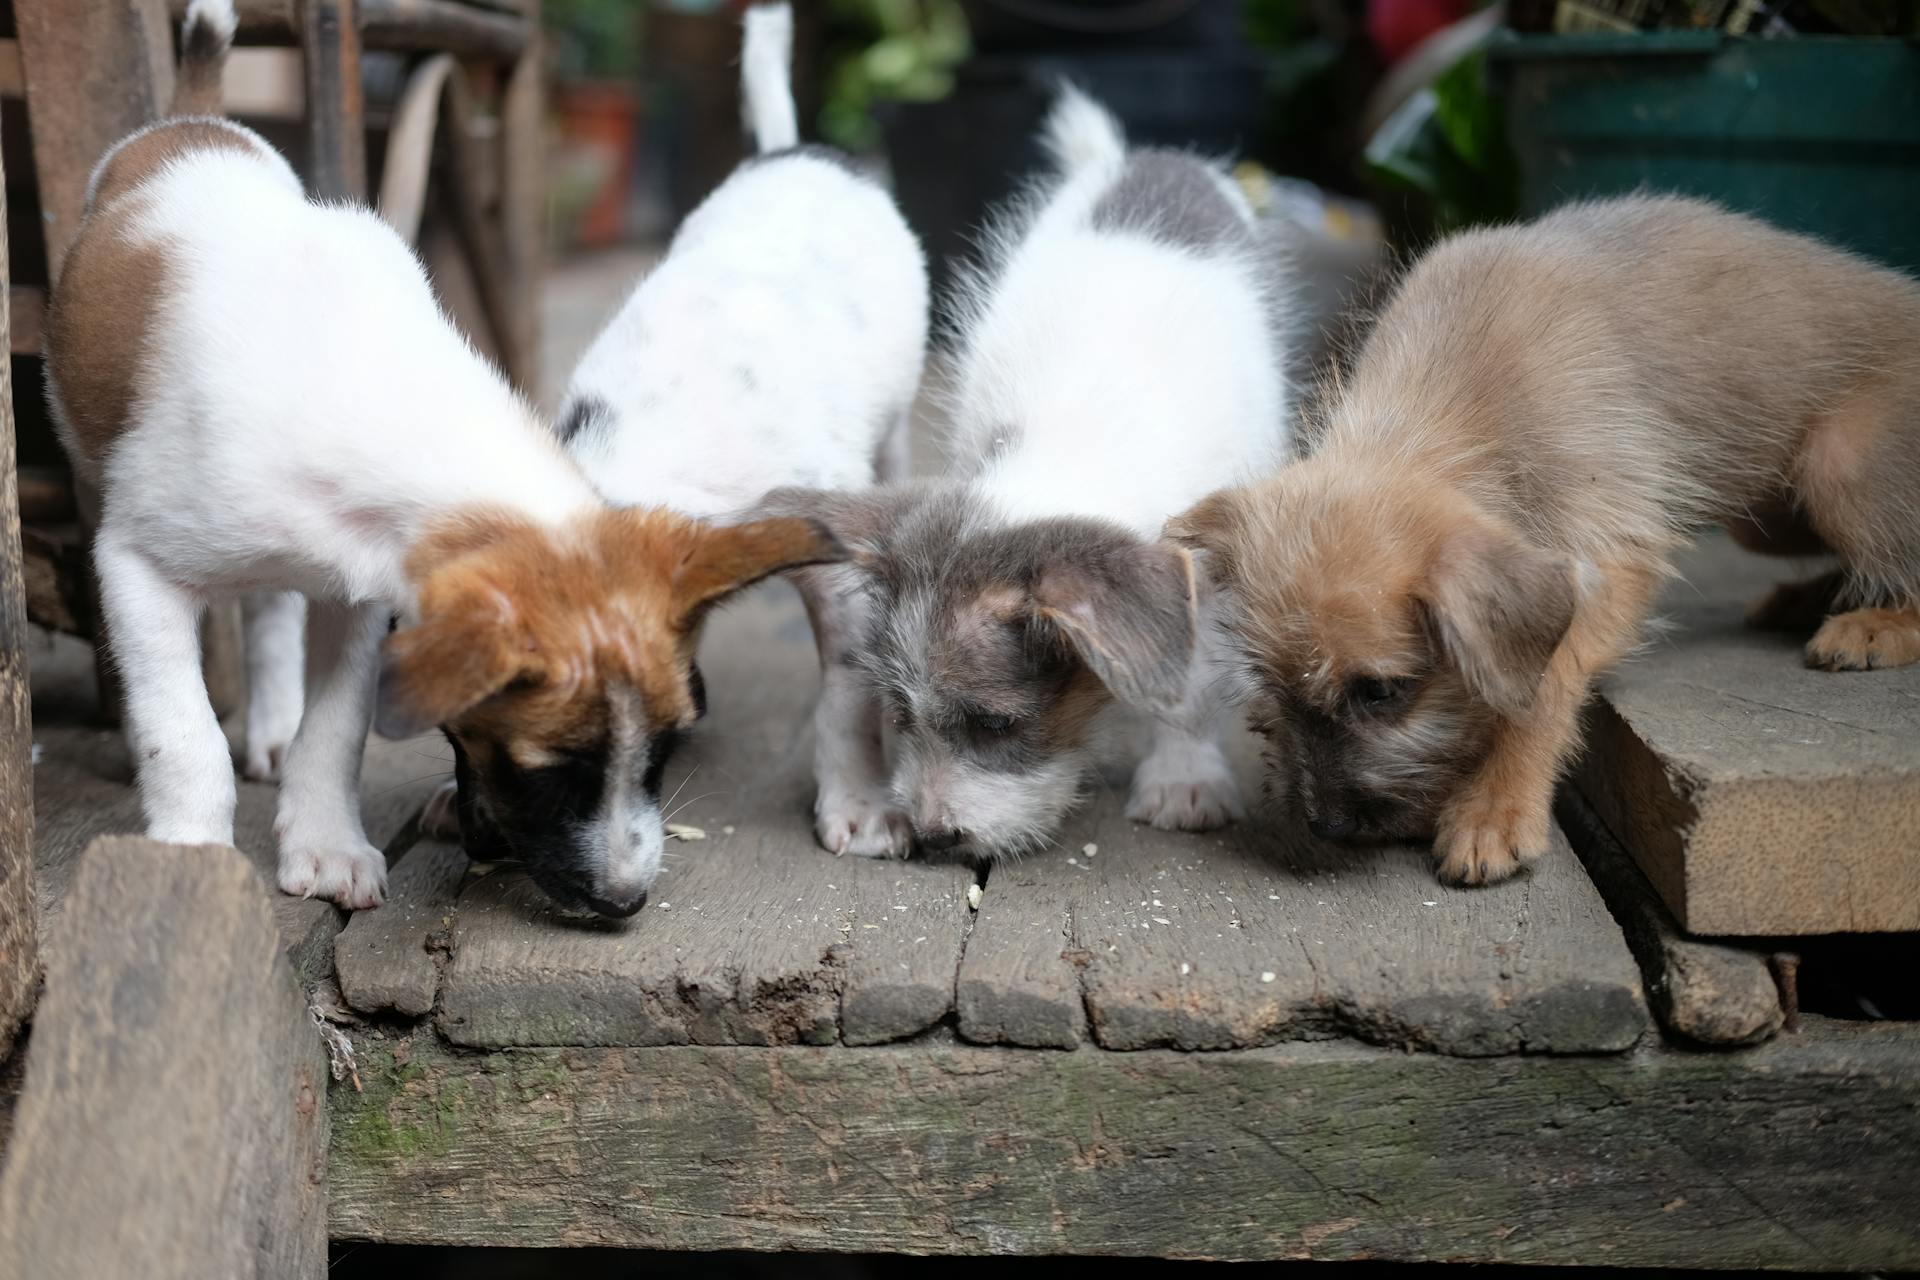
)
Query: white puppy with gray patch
[
  {"x": 1121, "y": 356},
  {"x": 779, "y": 342}
]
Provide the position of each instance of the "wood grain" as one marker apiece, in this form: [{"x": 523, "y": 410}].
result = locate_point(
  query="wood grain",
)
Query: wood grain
[
  {"x": 386, "y": 959},
  {"x": 1252, "y": 936},
  {"x": 1760, "y": 797},
  {"x": 19, "y": 935},
  {"x": 173, "y": 1122},
  {"x": 754, "y": 935},
  {"x": 1798, "y": 1154},
  {"x": 1703, "y": 992}
]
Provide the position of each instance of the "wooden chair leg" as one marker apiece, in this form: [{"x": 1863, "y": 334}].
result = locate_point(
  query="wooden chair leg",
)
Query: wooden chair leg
[
  {"x": 19, "y": 936},
  {"x": 523, "y": 194},
  {"x": 336, "y": 106}
]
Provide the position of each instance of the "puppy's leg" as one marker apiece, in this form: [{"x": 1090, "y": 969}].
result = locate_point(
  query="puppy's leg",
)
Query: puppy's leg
[
  {"x": 276, "y": 646},
  {"x": 1185, "y": 782},
  {"x": 1797, "y": 606},
  {"x": 180, "y": 755},
  {"x": 1502, "y": 818},
  {"x": 324, "y": 851},
  {"x": 853, "y": 810}
]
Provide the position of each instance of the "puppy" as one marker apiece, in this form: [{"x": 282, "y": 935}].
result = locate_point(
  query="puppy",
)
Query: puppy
[
  {"x": 779, "y": 342},
  {"x": 1120, "y": 356},
  {"x": 1539, "y": 418},
  {"x": 272, "y": 401}
]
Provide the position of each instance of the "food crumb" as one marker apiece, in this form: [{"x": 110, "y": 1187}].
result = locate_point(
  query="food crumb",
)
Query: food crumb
[
  {"x": 726, "y": 831},
  {"x": 974, "y": 895},
  {"x": 1185, "y": 968},
  {"x": 1089, "y": 849},
  {"x": 680, "y": 831},
  {"x": 1161, "y": 920},
  {"x": 1268, "y": 976}
]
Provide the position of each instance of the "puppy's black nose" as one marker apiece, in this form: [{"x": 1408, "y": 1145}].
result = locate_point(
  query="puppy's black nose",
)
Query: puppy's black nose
[
  {"x": 617, "y": 908},
  {"x": 1333, "y": 826},
  {"x": 941, "y": 840}
]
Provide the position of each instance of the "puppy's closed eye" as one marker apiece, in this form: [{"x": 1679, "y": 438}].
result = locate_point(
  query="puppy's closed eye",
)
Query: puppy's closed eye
[{"x": 1380, "y": 694}]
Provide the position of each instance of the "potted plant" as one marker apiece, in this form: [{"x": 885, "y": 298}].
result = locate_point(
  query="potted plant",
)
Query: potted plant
[{"x": 598, "y": 105}]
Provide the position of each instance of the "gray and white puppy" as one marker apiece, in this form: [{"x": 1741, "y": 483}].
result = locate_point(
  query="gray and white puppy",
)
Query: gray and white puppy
[{"x": 1120, "y": 356}]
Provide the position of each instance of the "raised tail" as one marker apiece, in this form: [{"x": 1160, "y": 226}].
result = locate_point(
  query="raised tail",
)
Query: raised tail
[
  {"x": 205, "y": 38},
  {"x": 766, "y": 78},
  {"x": 1082, "y": 134}
]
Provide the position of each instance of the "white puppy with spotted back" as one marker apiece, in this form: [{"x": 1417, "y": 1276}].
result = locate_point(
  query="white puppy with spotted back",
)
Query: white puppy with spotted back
[{"x": 779, "y": 342}]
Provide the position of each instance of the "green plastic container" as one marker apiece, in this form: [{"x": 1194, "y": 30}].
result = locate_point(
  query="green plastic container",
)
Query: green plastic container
[{"x": 1815, "y": 134}]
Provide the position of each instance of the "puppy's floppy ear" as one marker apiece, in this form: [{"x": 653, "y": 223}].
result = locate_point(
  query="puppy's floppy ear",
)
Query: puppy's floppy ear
[
  {"x": 1498, "y": 606},
  {"x": 724, "y": 558},
  {"x": 860, "y": 520},
  {"x": 1212, "y": 525},
  {"x": 1132, "y": 618},
  {"x": 433, "y": 672}
]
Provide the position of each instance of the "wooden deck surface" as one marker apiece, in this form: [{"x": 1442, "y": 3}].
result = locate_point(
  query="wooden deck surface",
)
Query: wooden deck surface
[{"x": 1315, "y": 1053}]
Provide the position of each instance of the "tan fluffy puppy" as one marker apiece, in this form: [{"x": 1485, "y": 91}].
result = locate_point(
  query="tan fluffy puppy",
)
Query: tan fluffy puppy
[{"x": 1540, "y": 417}]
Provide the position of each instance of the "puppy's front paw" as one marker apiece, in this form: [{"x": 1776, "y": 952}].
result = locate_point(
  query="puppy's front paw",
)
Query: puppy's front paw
[
  {"x": 263, "y": 758},
  {"x": 861, "y": 822},
  {"x": 1867, "y": 640},
  {"x": 1484, "y": 838},
  {"x": 1185, "y": 791},
  {"x": 441, "y": 818},
  {"x": 356, "y": 878}
]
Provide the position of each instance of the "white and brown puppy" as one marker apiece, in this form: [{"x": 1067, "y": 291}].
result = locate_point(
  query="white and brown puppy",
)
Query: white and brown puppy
[
  {"x": 1540, "y": 417},
  {"x": 779, "y": 342},
  {"x": 271, "y": 400},
  {"x": 1121, "y": 355}
]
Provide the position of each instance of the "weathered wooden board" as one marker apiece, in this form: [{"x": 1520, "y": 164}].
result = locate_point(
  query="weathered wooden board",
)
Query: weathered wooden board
[
  {"x": 173, "y": 1122},
  {"x": 1254, "y": 935},
  {"x": 754, "y": 935},
  {"x": 1704, "y": 992},
  {"x": 1798, "y": 1154},
  {"x": 83, "y": 788},
  {"x": 19, "y": 936},
  {"x": 386, "y": 960},
  {"x": 1760, "y": 797}
]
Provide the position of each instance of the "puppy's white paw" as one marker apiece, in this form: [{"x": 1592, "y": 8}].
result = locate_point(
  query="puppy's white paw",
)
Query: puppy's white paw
[
  {"x": 864, "y": 823},
  {"x": 263, "y": 759},
  {"x": 441, "y": 818},
  {"x": 354, "y": 877},
  {"x": 1185, "y": 787}
]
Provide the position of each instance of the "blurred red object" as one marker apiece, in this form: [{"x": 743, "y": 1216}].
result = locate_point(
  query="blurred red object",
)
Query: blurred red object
[{"x": 1396, "y": 26}]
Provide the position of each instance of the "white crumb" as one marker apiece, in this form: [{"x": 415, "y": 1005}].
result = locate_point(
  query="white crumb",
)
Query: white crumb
[
  {"x": 1268, "y": 976},
  {"x": 680, "y": 831},
  {"x": 973, "y": 897},
  {"x": 1089, "y": 849}
]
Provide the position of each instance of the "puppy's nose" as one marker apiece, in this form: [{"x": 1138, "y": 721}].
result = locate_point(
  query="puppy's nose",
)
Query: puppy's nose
[
  {"x": 617, "y": 908},
  {"x": 1333, "y": 826},
  {"x": 942, "y": 838}
]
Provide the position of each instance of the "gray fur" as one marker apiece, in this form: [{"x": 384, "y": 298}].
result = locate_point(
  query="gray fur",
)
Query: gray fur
[
  {"x": 583, "y": 415},
  {"x": 1175, "y": 198}
]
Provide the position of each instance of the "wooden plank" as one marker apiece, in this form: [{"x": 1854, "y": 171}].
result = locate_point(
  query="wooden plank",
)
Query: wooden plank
[
  {"x": 28, "y": 304},
  {"x": 1797, "y": 1155},
  {"x": 754, "y": 935},
  {"x": 1760, "y": 797},
  {"x": 96, "y": 70},
  {"x": 84, "y": 789},
  {"x": 523, "y": 212},
  {"x": 19, "y": 935},
  {"x": 1252, "y": 936},
  {"x": 336, "y": 103},
  {"x": 174, "y": 1118},
  {"x": 1703, "y": 992},
  {"x": 424, "y": 26},
  {"x": 386, "y": 959}
]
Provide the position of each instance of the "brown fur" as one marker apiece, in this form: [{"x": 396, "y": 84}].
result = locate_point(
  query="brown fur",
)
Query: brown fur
[
  {"x": 1539, "y": 418},
  {"x": 523, "y": 632},
  {"x": 103, "y": 309}
]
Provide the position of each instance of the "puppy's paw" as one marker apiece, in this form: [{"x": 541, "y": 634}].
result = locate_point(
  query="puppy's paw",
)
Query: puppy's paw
[
  {"x": 441, "y": 818},
  {"x": 1867, "y": 640},
  {"x": 354, "y": 877},
  {"x": 1188, "y": 789},
  {"x": 862, "y": 822},
  {"x": 1485, "y": 838},
  {"x": 264, "y": 758}
]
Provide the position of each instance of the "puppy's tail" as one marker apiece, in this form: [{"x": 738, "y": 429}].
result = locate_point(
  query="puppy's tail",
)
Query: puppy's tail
[
  {"x": 1081, "y": 134},
  {"x": 766, "y": 84},
  {"x": 204, "y": 40}
]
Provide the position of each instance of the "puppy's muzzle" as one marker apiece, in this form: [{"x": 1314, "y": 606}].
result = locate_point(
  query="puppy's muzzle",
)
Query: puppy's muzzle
[
  {"x": 941, "y": 839},
  {"x": 617, "y": 908},
  {"x": 1333, "y": 826}
]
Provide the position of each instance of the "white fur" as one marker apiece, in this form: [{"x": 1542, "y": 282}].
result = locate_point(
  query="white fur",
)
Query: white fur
[
  {"x": 766, "y": 84},
  {"x": 276, "y": 650},
  {"x": 304, "y": 410},
  {"x": 218, "y": 15},
  {"x": 1109, "y": 374},
  {"x": 779, "y": 343}
]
